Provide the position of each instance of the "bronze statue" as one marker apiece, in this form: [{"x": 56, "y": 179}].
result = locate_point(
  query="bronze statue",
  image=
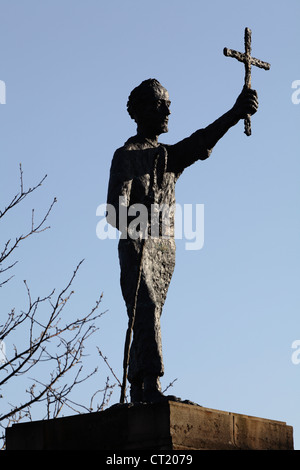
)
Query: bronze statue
[{"x": 143, "y": 174}]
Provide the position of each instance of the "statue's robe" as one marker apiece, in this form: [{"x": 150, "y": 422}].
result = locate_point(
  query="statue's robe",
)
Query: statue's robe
[{"x": 146, "y": 173}]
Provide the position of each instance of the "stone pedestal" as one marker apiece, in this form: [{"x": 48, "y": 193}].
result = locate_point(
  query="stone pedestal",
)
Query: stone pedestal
[{"x": 162, "y": 426}]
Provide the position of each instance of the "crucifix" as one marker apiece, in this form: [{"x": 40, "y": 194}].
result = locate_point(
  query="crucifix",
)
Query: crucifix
[{"x": 248, "y": 61}]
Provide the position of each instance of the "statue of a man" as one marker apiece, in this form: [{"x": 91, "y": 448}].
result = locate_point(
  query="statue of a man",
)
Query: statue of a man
[{"x": 143, "y": 174}]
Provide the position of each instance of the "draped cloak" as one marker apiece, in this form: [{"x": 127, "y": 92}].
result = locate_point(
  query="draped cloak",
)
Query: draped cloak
[{"x": 143, "y": 173}]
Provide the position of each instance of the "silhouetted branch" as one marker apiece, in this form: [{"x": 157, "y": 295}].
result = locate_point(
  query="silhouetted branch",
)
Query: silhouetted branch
[
  {"x": 45, "y": 342},
  {"x": 69, "y": 339},
  {"x": 10, "y": 246}
]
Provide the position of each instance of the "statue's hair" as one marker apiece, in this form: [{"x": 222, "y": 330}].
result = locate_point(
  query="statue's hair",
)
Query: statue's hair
[{"x": 140, "y": 94}]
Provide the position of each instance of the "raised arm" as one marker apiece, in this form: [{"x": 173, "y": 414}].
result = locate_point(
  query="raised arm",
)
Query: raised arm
[
  {"x": 246, "y": 103},
  {"x": 200, "y": 144}
]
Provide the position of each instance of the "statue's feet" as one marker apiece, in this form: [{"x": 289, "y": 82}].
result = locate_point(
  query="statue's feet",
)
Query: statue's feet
[
  {"x": 153, "y": 396},
  {"x": 136, "y": 393},
  {"x": 152, "y": 391},
  {"x": 149, "y": 392}
]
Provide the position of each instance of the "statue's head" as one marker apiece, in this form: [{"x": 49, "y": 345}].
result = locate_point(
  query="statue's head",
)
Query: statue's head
[{"x": 148, "y": 104}]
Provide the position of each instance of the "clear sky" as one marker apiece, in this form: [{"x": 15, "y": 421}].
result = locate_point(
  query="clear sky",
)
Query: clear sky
[{"x": 232, "y": 311}]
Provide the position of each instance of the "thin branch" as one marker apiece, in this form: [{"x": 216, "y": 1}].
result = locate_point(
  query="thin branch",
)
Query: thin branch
[
  {"x": 22, "y": 194},
  {"x": 170, "y": 385},
  {"x": 111, "y": 370},
  {"x": 8, "y": 248},
  {"x": 48, "y": 340}
]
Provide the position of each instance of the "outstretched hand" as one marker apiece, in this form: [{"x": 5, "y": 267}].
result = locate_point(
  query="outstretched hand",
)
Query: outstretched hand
[{"x": 246, "y": 103}]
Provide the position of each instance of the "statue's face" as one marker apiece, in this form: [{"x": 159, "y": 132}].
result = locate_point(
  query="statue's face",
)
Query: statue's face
[{"x": 153, "y": 117}]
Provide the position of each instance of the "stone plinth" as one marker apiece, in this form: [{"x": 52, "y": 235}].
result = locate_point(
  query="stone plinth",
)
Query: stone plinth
[{"x": 162, "y": 426}]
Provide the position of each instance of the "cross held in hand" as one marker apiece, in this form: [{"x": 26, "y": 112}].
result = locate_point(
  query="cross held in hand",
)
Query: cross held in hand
[{"x": 248, "y": 61}]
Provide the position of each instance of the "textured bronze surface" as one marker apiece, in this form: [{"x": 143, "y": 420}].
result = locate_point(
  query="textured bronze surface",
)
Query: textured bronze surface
[
  {"x": 142, "y": 181},
  {"x": 248, "y": 61}
]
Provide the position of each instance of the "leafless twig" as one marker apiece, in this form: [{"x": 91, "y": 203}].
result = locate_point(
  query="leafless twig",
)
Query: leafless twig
[
  {"x": 47, "y": 343},
  {"x": 10, "y": 246}
]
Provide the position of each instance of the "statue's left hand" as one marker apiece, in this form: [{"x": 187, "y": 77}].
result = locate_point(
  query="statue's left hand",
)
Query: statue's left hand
[{"x": 246, "y": 103}]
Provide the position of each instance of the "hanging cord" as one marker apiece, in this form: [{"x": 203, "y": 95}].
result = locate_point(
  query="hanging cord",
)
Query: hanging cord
[{"x": 131, "y": 325}]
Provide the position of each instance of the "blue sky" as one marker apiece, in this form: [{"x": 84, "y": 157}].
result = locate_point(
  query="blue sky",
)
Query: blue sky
[{"x": 232, "y": 311}]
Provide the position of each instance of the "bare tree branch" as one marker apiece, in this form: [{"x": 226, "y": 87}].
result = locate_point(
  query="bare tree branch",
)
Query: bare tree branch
[
  {"x": 52, "y": 344},
  {"x": 22, "y": 194}
]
